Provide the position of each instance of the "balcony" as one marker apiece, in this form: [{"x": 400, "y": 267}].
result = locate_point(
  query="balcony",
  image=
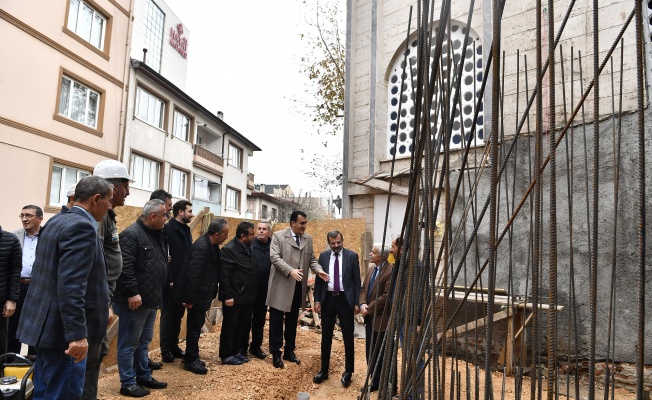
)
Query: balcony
[
  {"x": 250, "y": 181},
  {"x": 208, "y": 161}
]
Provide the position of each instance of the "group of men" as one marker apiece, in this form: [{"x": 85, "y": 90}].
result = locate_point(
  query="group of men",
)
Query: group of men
[{"x": 61, "y": 283}]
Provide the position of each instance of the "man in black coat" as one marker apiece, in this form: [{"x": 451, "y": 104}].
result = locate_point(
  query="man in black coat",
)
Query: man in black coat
[
  {"x": 260, "y": 246},
  {"x": 238, "y": 280},
  {"x": 339, "y": 297},
  {"x": 179, "y": 240},
  {"x": 11, "y": 263},
  {"x": 200, "y": 283}
]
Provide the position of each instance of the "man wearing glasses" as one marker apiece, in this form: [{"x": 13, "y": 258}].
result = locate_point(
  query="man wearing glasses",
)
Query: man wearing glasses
[{"x": 31, "y": 216}]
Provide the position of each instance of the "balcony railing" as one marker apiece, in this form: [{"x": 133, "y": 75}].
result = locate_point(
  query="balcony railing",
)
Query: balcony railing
[
  {"x": 205, "y": 159},
  {"x": 214, "y": 158},
  {"x": 250, "y": 181}
]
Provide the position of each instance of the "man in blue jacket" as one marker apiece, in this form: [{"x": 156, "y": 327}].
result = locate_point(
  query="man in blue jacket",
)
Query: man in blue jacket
[{"x": 67, "y": 306}]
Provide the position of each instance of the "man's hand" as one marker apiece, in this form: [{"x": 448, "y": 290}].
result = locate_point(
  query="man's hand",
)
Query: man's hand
[
  {"x": 229, "y": 302},
  {"x": 135, "y": 302},
  {"x": 363, "y": 310},
  {"x": 111, "y": 315},
  {"x": 356, "y": 310},
  {"x": 78, "y": 349},
  {"x": 317, "y": 307},
  {"x": 10, "y": 307},
  {"x": 323, "y": 275},
  {"x": 297, "y": 274},
  {"x": 187, "y": 305}
]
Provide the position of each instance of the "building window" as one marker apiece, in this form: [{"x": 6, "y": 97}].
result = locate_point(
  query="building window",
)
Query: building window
[
  {"x": 63, "y": 177},
  {"x": 401, "y": 127},
  {"x": 235, "y": 156},
  {"x": 154, "y": 23},
  {"x": 87, "y": 23},
  {"x": 181, "y": 126},
  {"x": 206, "y": 190},
  {"x": 264, "y": 212},
  {"x": 144, "y": 172},
  {"x": 78, "y": 102},
  {"x": 178, "y": 181},
  {"x": 232, "y": 199},
  {"x": 274, "y": 214},
  {"x": 149, "y": 108}
]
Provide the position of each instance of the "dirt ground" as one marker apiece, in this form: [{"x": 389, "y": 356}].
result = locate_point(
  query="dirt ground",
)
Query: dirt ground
[{"x": 258, "y": 379}]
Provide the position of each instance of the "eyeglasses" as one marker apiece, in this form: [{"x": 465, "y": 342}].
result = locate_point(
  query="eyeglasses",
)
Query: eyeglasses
[{"x": 28, "y": 216}]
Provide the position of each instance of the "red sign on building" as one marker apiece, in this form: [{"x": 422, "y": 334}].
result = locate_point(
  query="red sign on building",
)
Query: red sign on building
[{"x": 179, "y": 43}]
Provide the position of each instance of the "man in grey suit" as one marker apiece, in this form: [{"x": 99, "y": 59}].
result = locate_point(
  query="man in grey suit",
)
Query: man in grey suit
[
  {"x": 291, "y": 254},
  {"x": 337, "y": 297},
  {"x": 67, "y": 306}
]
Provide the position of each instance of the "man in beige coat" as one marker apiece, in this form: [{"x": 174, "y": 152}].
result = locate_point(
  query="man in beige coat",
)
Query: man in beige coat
[{"x": 291, "y": 254}]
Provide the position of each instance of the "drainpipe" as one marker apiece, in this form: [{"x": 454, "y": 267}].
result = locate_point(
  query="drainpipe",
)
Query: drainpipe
[{"x": 122, "y": 126}]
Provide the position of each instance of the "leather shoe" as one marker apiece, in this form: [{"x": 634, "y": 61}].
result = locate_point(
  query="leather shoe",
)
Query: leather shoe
[
  {"x": 290, "y": 356},
  {"x": 346, "y": 379},
  {"x": 320, "y": 377},
  {"x": 153, "y": 365},
  {"x": 178, "y": 353},
  {"x": 134, "y": 391},
  {"x": 152, "y": 383},
  {"x": 241, "y": 358},
  {"x": 167, "y": 356},
  {"x": 195, "y": 367},
  {"x": 257, "y": 352},
  {"x": 233, "y": 360},
  {"x": 278, "y": 363}
]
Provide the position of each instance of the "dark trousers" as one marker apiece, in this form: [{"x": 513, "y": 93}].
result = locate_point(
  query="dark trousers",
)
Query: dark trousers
[
  {"x": 258, "y": 319},
  {"x": 170, "y": 325},
  {"x": 57, "y": 375},
  {"x": 98, "y": 347},
  {"x": 194, "y": 322},
  {"x": 235, "y": 329},
  {"x": 336, "y": 306},
  {"x": 4, "y": 324},
  {"x": 13, "y": 344},
  {"x": 276, "y": 334}
]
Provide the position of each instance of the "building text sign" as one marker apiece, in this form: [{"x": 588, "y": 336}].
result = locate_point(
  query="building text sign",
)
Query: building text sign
[{"x": 176, "y": 41}]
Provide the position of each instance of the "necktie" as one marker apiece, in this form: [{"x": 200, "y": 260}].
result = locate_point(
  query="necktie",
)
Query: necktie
[
  {"x": 296, "y": 237},
  {"x": 336, "y": 284},
  {"x": 371, "y": 282}
]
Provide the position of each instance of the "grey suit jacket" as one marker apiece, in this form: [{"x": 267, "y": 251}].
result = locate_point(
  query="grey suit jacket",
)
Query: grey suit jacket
[
  {"x": 350, "y": 277},
  {"x": 20, "y": 234},
  {"x": 68, "y": 298}
]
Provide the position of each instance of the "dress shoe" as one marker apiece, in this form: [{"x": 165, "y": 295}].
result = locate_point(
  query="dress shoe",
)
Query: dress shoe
[
  {"x": 241, "y": 358},
  {"x": 152, "y": 383},
  {"x": 134, "y": 391},
  {"x": 195, "y": 367},
  {"x": 233, "y": 360},
  {"x": 153, "y": 365},
  {"x": 278, "y": 363},
  {"x": 346, "y": 379},
  {"x": 178, "y": 353},
  {"x": 258, "y": 353},
  {"x": 290, "y": 356},
  {"x": 167, "y": 356},
  {"x": 320, "y": 377}
]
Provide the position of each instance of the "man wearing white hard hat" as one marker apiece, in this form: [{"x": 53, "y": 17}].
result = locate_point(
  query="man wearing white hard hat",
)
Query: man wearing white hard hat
[{"x": 116, "y": 173}]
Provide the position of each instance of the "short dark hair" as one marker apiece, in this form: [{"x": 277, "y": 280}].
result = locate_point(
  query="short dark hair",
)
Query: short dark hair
[
  {"x": 216, "y": 226},
  {"x": 37, "y": 210},
  {"x": 399, "y": 240},
  {"x": 180, "y": 205},
  {"x": 91, "y": 185},
  {"x": 295, "y": 215},
  {"x": 334, "y": 235},
  {"x": 161, "y": 195},
  {"x": 243, "y": 228}
]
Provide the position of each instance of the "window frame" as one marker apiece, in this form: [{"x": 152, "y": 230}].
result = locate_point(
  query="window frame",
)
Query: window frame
[
  {"x": 105, "y": 47},
  {"x": 63, "y": 187},
  {"x": 238, "y": 198},
  {"x": 239, "y": 153},
  {"x": 155, "y": 183},
  {"x": 164, "y": 104},
  {"x": 63, "y": 118},
  {"x": 178, "y": 112},
  {"x": 184, "y": 175},
  {"x": 154, "y": 54}
]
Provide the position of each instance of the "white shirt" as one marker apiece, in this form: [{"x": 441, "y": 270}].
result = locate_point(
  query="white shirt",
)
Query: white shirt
[
  {"x": 29, "y": 254},
  {"x": 331, "y": 272},
  {"x": 295, "y": 236}
]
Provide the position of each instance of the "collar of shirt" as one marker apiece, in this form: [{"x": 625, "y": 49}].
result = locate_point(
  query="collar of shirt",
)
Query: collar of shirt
[
  {"x": 27, "y": 235},
  {"x": 95, "y": 224}
]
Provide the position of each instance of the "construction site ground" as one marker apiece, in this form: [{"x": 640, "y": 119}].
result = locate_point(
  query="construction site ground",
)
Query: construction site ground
[{"x": 258, "y": 379}]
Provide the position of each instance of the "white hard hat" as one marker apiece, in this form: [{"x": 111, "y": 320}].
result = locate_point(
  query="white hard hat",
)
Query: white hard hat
[
  {"x": 111, "y": 169},
  {"x": 71, "y": 190}
]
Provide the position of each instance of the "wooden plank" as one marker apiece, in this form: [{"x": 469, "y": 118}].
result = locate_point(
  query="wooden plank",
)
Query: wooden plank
[{"x": 475, "y": 324}]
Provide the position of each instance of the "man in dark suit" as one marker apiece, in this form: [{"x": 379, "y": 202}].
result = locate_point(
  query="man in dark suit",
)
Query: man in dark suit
[
  {"x": 337, "y": 297},
  {"x": 375, "y": 307},
  {"x": 67, "y": 306}
]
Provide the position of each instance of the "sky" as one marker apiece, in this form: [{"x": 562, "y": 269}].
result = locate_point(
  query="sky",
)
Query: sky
[{"x": 244, "y": 60}]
